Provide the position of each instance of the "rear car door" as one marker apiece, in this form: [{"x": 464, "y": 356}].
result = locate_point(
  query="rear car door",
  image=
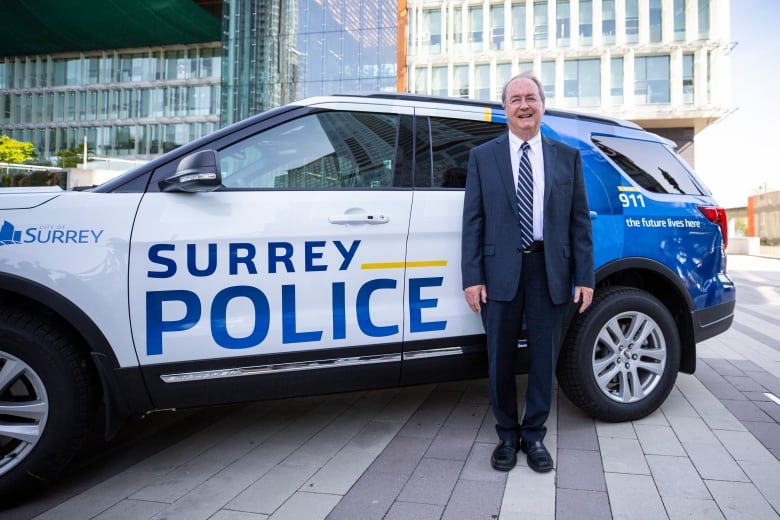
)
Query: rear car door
[{"x": 443, "y": 337}]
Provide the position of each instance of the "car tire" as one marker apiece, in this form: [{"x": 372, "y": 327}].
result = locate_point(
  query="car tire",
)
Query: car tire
[
  {"x": 620, "y": 358},
  {"x": 47, "y": 401}
]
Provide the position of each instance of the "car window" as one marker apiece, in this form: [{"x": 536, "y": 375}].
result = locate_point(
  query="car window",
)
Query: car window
[
  {"x": 650, "y": 164},
  {"x": 326, "y": 150},
  {"x": 451, "y": 140}
]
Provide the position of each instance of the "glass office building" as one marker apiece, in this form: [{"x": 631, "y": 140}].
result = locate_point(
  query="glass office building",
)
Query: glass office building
[
  {"x": 136, "y": 103},
  {"x": 661, "y": 63},
  {"x": 280, "y": 51}
]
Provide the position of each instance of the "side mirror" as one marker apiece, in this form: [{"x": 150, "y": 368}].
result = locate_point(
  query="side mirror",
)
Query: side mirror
[{"x": 195, "y": 173}]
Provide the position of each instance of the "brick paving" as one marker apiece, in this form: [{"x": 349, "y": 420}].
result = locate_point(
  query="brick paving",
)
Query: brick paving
[{"x": 710, "y": 451}]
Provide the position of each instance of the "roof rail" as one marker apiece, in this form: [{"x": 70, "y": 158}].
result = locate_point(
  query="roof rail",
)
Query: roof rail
[{"x": 494, "y": 104}]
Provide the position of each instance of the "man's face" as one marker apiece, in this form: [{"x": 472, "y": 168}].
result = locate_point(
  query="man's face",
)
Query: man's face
[{"x": 523, "y": 107}]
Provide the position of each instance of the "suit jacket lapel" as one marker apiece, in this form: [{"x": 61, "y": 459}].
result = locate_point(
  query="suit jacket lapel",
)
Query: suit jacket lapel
[
  {"x": 504, "y": 168},
  {"x": 550, "y": 154}
]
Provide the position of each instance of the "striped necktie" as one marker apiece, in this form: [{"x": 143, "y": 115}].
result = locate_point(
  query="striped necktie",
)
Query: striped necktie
[{"x": 525, "y": 197}]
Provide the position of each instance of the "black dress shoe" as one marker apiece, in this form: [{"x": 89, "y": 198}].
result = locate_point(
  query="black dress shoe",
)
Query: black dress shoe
[
  {"x": 539, "y": 459},
  {"x": 504, "y": 456}
]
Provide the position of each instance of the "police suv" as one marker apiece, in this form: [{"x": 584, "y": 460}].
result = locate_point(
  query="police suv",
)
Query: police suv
[{"x": 316, "y": 248}]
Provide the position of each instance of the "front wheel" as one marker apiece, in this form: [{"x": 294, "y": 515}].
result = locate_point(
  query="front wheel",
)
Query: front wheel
[
  {"x": 621, "y": 357},
  {"x": 47, "y": 400}
]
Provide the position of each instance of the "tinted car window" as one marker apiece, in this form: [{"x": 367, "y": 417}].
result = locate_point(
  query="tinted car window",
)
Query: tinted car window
[
  {"x": 451, "y": 140},
  {"x": 345, "y": 150},
  {"x": 651, "y": 165}
]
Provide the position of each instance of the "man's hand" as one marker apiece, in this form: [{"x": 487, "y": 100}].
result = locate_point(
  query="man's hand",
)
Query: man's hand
[
  {"x": 475, "y": 295},
  {"x": 585, "y": 294}
]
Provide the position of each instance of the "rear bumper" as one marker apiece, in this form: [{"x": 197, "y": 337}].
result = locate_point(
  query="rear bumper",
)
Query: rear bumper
[{"x": 711, "y": 321}]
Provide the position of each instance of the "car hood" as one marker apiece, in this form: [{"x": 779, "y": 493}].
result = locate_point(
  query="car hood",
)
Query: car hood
[{"x": 27, "y": 197}]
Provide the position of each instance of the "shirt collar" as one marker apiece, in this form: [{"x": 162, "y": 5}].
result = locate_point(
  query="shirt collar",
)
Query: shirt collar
[{"x": 515, "y": 142}]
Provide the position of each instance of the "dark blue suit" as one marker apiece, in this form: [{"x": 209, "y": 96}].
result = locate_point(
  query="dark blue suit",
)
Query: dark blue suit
[{"x": 538, "y": 285}]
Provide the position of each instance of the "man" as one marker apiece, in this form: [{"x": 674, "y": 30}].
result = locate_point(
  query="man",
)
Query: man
[{"x": 526, "y": 240}]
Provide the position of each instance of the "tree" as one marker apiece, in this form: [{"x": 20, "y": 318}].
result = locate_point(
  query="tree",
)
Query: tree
[
  {"x": 13, "y": 151},
  {"x": 73, "y": 157}
]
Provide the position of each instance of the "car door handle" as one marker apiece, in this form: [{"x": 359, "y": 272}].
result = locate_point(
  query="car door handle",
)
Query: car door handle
[
  {"x": 594, "y": 215},
  {"x": 361, "y": 218}
]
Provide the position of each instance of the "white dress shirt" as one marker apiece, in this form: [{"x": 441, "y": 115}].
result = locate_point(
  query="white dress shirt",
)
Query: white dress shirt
[{"x": 537, "y": 167}]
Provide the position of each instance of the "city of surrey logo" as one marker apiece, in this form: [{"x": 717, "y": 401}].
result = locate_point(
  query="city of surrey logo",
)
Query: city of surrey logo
[
  {"x": 51, "y": 234},
  {"x": 9, "y": 235}
]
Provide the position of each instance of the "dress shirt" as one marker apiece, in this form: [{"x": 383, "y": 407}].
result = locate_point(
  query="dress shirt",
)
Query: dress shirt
[{"x": 537, "y": 166}]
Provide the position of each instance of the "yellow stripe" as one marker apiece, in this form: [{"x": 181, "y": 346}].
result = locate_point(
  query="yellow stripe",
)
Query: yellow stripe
[
  {"x": 627, "y": 188},
  {"x": 488, "y": 115},
  {"x": 401, "y": 265}
]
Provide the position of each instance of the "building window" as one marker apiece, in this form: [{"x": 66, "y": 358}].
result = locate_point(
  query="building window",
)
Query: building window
[
  {"x": 503, "y": 75},
  {"x": 421, "y": 80},
  {"x": 651, "y": 85},
  {"x": 518, "y": 26},
  {"x": 461, "y": 81},
  {"x": 548, "y": 80},
  {"x": 632, "y": 21},
  {"x": 586, "y": 22},
  {"x": 679, "y": 20},
  {"x": 432, "y": 27},
  {"x": 582, "y": 82},
  {"x": 439, "y": 81},
  {"x": 540, "y": 24},
  {"x": 616, "y": 81},
  {"x": 475, "y": 28},
  {"x": 497, "y": 26},
  {"x": 457, "y": 27},
  {"x": 655, "y": 21},
  {"x": 608, "y": 20},
  {"x": 688, "y": 83},
  {"x": 709, "y": 76},
  {"x": 704, "y": 19},
  {"x": 562, "y": 23},
  {"x": 482, "y": 73},
  {"x": 3, "y": 84}
]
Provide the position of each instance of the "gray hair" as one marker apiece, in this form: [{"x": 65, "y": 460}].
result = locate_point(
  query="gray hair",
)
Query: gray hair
[{"x": 528, "y": 75}]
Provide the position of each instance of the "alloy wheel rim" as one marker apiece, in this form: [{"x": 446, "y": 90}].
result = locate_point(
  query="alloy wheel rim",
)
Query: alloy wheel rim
[
  {"x": 629, "y": 357},
  {"x": 24, "y": 410}
]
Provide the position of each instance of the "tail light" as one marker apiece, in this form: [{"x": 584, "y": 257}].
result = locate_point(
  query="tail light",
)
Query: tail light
[{"x": 717, "y": 216}]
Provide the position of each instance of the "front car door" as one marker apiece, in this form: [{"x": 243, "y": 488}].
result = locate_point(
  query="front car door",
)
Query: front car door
[{"x": 286, "y": 280}]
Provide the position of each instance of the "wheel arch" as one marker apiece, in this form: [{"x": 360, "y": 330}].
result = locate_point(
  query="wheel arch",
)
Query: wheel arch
[
  {"x": 660, "y": 281},
  {"x": 122, "y": 390}
]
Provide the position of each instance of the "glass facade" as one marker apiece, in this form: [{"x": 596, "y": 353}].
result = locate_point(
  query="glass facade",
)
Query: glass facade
[
  {"x": 133, "y": 104},
  {"x": 588, "y": 53},
  {"x": 141, "y": 102},
  {"x": 282, "y": 50}
]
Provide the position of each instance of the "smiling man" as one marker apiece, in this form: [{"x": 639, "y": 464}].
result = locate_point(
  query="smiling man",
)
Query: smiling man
[{"x": 526, "y": 242}]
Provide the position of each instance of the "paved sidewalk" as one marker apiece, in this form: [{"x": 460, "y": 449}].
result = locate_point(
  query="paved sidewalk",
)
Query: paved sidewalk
[{"x": 711, "y": 451}]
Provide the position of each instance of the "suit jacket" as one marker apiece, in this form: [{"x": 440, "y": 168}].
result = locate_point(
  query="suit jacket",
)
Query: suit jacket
[{"x": 491, "y": 251}]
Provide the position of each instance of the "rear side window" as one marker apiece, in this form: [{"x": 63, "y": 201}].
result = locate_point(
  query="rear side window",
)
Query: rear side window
[
  {"x": 327, "y": 150},
  {"x": 650, "y": 164},
  {"x": 451, "y": 140}
]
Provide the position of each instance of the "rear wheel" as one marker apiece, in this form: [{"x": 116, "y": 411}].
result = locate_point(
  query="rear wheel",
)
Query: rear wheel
[
  {"x": 621, "y": 357},
  {"x": 47, "y": 401}
]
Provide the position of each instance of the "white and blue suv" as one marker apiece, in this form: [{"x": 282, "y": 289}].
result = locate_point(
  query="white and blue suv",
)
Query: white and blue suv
[{"x": 316, "y": 248}]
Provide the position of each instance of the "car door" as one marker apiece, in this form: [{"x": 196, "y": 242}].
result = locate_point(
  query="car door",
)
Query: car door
[
  {"x": 444, "y": 337},
  {"x": 289, "y": 278}
]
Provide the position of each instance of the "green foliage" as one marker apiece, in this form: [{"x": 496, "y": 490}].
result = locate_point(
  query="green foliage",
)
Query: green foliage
[
  {"x": 36, "y": 178},
  {"x": 72, "y": 157},
  {"x": 13, "y": 151}
]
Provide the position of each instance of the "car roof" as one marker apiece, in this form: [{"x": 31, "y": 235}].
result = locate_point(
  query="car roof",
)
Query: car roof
[{"x": 392, "y": 98}]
